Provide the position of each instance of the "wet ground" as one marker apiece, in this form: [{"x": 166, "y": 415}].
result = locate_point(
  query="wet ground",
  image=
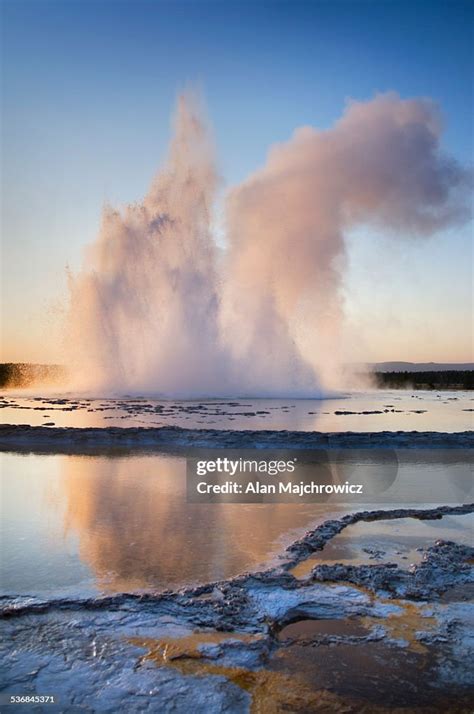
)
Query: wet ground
[
  {"x": 267, "y": 642},
  {"x": 368, "y": 411},
  {"x": 118, "y": 595}
]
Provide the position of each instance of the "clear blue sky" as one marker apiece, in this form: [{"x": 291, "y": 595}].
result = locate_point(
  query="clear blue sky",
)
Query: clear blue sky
[{"x": 88, "y": 88}]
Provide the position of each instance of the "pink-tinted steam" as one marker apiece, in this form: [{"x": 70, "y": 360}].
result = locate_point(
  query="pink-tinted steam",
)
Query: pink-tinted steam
[{"x": 154, "y": 310}]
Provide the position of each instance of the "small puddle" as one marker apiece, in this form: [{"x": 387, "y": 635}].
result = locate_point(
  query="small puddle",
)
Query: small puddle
[
  {"x": 307, "y": 629},
  {"x": 370, "y": 675},
  {"x": 401, "y": 541}
]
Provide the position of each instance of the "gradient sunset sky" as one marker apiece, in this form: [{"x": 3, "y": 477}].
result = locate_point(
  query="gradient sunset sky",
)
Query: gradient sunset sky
[{"x": 88, "y": 90}]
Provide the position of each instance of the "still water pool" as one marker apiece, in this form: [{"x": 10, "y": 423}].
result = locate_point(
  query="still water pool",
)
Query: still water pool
[{"x": 89, "y": 524}]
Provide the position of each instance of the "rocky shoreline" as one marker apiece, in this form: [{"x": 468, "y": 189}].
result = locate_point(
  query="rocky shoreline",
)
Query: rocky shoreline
[{"x": 41, "y": 439}]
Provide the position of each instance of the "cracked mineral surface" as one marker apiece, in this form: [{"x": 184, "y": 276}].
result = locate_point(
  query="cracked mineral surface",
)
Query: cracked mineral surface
[{"x": 372, "y": 637}]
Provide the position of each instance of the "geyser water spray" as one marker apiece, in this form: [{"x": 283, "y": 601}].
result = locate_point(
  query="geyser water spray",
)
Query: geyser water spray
[{"x": 155, "y": 309}]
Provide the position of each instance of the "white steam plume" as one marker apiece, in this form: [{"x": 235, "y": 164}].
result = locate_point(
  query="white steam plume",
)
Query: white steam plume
[
  {"x": 154, "y": 310},
  {"x": 288, "y": 222}
]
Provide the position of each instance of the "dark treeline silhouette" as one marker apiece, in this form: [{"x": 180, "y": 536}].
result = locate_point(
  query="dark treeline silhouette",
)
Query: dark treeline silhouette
[
  {"x": 443, "y": 379},
  {"x": 24, "y": 374}
]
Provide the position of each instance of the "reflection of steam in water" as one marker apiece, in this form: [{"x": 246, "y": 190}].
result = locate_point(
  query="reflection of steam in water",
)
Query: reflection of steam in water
[{"x": 136, "y": 529}]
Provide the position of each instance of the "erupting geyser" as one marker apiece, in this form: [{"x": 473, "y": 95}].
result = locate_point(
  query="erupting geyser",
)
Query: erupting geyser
[
  {"x": 157, "y": 309},
  {"x": 145, "y": 308}
]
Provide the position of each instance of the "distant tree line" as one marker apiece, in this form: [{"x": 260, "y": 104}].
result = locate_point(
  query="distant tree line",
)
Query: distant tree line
[
  {"x": 23, "y": 374},
  {"x": 444, "y": 379}
]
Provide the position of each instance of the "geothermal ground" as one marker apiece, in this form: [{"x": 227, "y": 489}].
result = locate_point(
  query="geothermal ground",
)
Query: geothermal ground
[
  {"x": 342, "y": 638},
  {"x": 118, "y": 594},
  {"x": 369, "y": 411}
]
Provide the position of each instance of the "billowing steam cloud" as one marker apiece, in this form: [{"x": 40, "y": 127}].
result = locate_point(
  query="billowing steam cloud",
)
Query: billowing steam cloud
[
  {"x": 144, "y": 311},
  {"x": 156, "y": 310}
]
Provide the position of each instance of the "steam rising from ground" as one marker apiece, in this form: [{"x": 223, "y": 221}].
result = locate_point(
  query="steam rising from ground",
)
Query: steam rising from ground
[{"x": 156, "y": 309}]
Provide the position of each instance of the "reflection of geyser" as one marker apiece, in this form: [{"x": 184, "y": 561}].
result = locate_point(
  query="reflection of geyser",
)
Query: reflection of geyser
[
  {"x": 376, "y": 471},
  {"x": 136, "y": 529},
  {"x": 158, "y": 309}
]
